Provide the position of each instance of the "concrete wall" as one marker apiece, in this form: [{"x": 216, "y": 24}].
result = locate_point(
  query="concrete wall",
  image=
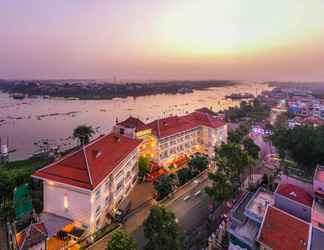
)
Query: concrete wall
[
  {"x": 318, "y": 185},
  {"x": 78, "y": 201},
  {"x": 292, "y": 207}
]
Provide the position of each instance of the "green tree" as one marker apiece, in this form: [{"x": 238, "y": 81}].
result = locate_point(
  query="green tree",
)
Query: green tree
[
  {"x": 303, "y": 144},
  {"x": 198, "y": 163},
  {"x": 251, "y": 148},
  {"x": 164, "y": 185},
  {"x": 221, "y": 189},
  {"x": 234, "y": 137},
  {"x": 143, "y": 167},
  {"x": 121, "y": 240},
  {"x": 161, "y": 230},
  {"x": 83, "y": 133},
  {"x": 232, "y": 160},
  {"x": 184, "y": 175}
]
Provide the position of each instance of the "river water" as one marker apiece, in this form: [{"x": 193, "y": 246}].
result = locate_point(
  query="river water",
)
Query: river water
[{"x": 26, "y": 122}]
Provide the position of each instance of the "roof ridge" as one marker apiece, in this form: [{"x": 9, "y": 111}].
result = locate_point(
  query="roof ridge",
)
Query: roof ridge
[
  {"x": 87, "y": 164},
  {"x": 73, "y": 152}
]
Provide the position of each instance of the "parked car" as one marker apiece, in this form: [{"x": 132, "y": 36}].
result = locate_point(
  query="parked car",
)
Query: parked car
[{"x": 123, "y": 209}]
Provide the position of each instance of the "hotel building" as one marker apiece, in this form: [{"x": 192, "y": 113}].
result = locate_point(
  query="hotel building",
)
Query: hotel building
[
  {"x": 85, "y": 186},
  {"x": 168, "y": 140},
  {"x": 83, "y": 189}
]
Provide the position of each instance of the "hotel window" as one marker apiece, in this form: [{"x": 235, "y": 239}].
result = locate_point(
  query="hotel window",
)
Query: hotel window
[
  {"x": 108, "y": 199},
  {"x": 128, "y": 175},
  {"x": 98, "y": 193},
  {"x": 119, "y": 173},
  {"x": 98, "y": 210},
  {"x": 120, "y": 185},
  {"x": 134, "y": 168},
  {"x": 108, "y": 185},
  {"x": 134, "y": 179}
]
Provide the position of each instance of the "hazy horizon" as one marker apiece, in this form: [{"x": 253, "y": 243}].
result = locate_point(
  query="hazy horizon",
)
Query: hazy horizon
[{"x": 142, "y": 40}]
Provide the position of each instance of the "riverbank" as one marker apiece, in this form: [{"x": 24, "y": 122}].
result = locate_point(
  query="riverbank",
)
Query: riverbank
[{"x": 93, "y": 90}]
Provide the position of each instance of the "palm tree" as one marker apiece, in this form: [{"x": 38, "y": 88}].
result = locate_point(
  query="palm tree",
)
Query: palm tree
[{"x": 83, "y": 133}]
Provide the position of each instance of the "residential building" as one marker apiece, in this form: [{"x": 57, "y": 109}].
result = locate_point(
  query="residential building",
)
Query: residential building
[
  {"x": 85, "y": 187},
  {"x": 283, "y": 231},
  {"x": 317, "y": 239},
  {"x": 294, "y": 200},
  {"x": 289, "y": 219},
  {"x": 246, "y": 217}
]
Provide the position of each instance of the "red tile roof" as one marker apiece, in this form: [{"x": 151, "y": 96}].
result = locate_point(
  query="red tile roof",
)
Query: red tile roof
[
  {"x": 176, "y": 124},
  {"x": 282, "y": 231},
  {"x": 201, "y": 118},
  {"x": 295, "y": 193},
  {"x": 206, "y": 110},
  {"x": 171, "y": 125},
  {"x": 87, "y": 167},
  {"x": 132, "y": 122}
]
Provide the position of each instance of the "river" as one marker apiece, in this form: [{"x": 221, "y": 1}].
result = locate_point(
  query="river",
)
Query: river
[{"x": 26, "y": 122}]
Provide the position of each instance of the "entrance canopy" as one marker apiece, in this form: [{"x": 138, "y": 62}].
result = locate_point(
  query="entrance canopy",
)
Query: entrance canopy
[{"x": 54, "y": 223}]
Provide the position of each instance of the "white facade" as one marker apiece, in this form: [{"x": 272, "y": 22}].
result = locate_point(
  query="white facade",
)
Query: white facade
[
  {"x": 108, "y": 195},
  {"x": 200, "y": 139},
  {"x": 67, "y": 201},
  {"x": 86, "y": 208}
]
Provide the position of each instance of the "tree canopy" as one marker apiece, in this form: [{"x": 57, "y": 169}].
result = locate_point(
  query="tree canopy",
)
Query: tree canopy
[
  {"x": 143, "y": 167},
  {"x": 221, "y": 189},
  {"x": 121, "y": 240},
  {"x": 164, "y": 185},
  {"x": 83, "y": 133},
  {"x": 184, "y": 175},
  {"x": 251, "y": 148},
  {"x": 303, "y": 144},
  {"x": 161, "y": 230},
  {"x": 254, "y": 110},
  {"x": 232, "y": 160},
  {"x": 198, "y": 163}
]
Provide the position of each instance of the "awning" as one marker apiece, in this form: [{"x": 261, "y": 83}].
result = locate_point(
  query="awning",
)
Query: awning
[{"x": 54, "y": 223}]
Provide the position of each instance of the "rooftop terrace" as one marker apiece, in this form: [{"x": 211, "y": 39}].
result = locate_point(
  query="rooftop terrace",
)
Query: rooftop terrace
[
  {"x": 256, "y": 207},
  {"x": 246, "y": 232},
  {"x": 238, "y": 210}
]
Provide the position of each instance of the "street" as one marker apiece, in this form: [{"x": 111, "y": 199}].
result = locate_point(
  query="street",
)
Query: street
[{"x": 190, "y": 212}]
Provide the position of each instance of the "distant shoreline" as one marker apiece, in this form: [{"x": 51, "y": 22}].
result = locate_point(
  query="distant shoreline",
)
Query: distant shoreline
[{"x": 89, "y": 90}]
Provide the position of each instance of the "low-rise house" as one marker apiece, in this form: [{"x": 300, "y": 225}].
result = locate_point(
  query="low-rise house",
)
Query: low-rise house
[
  {"x": 317, "y": 239},
  {"x": 85, "y": 187},
  {"x": 318, "y": 206},
  {"x": 246, "y": 217},
  {"x": 283, "y": 231},
  {"x": 294, "y": 200},
  {"x": 292, "y": 218}
]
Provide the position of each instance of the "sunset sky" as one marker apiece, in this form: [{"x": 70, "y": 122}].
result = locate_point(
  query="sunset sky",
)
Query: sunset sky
[{"x": 162, "y": 39}]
